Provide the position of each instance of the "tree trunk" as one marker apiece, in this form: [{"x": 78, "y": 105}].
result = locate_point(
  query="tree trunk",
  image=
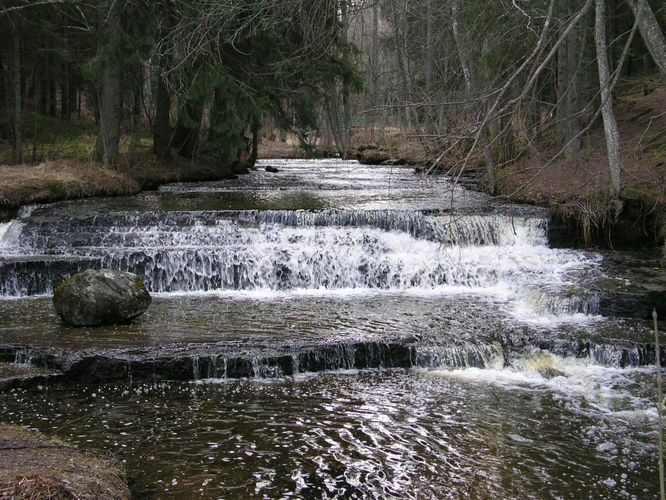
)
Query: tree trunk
[
  {"x": 254, "y": 152},
  {"x": 610, "y": 125},
  {"x": 65, "y": 106},
  {"x": 429, "y": 66},
  {"x": 651, "y": 32},
  {"x": 458, "y": 37},
  {"x": 374, "y": 70},
  {"x": 568, "y": 92},
  {"x": 398, "y": 36},
  {"x": 186, "y": 135},
  {"x": 471, "y": 87},
  {"x": 18, "y": 104},
  {"x": 4, "y": 85},
  {"x": 52, "y": 89},
  {"x": 162, "y": 129},
  {"x": 334, "y": 120},
  {"x": 490, "y": 164},
  {"x": 110, "y": 97}
]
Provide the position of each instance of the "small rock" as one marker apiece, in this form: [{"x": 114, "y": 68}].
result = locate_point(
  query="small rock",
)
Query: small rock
[
  {"x": 372, "y": 156},
  {"x": 101, "y": 297},
  {"x": 271, "y": 168}
]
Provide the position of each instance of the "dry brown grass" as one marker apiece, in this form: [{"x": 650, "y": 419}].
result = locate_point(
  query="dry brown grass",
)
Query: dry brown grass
[
  {"x": 36, "y": 488},
  {"x": 68, "y": 179},
  {"x": 58, "y": 180},
  {"x": 35, "y": 466}
]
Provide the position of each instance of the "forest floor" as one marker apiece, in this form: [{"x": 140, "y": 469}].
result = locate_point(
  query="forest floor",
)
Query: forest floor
[{"x": 584, "y": 178}]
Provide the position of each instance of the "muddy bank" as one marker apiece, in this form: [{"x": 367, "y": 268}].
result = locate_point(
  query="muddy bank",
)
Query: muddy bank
[{"x": 33, "y": 465}]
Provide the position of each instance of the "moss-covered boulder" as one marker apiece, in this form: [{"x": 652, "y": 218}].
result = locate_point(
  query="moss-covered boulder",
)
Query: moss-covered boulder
[
  {"x": 101, "y": 297},
  {"x": 372, "y": 156}
]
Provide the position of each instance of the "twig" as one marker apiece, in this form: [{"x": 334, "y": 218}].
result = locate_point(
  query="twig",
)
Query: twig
[{"x": 660, "y": 408}]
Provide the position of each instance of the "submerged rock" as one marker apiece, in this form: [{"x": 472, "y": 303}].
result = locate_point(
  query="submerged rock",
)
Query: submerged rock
[{"x": 101, "y": 297}]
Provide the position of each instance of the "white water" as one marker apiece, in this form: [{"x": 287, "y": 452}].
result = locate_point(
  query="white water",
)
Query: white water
[
  {"x": 282, "y": 251},
  {"x": 9, "y": 232},
  {"x": 594, "y": 388},
  {"x": 370, "y": 256}
]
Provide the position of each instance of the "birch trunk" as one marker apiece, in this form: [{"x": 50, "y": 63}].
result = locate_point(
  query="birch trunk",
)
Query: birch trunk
[
  {"x": 610, "y": 125},
  {"x": 651, "y": 32}
]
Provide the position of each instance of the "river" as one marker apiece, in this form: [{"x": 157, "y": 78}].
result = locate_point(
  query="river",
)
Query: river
[{"x": 334, "y": 330}]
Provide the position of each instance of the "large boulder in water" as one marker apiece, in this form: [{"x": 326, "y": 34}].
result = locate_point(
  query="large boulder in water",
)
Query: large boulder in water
[{"x": 101, "y": 297}]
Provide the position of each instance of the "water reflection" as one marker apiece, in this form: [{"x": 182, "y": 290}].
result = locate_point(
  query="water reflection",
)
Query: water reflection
[{"x": 376, "y": 434}]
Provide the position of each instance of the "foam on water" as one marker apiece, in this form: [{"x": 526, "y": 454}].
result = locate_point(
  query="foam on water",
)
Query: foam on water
[
  {"x": 498, "y": 251},
  {"x": 590, "y": 386},
  {"x": 362, "y": 272}
]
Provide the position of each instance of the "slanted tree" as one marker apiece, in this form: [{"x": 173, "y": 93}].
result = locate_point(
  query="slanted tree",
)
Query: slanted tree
[
  {"x": 610, "y": 124},
  {"x": 652, "y": 34}
]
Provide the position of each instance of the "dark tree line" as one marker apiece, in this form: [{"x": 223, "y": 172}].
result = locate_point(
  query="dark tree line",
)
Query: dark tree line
[
  {"x": 201, "y": 75},
  {"x": 469, "y": 79}
]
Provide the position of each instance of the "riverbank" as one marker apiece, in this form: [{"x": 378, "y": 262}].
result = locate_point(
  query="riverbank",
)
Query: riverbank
[
  {"x": 33, "y": 465},
  {"x": 69, "y": 179},
  {"x": 576, "y": 188}
]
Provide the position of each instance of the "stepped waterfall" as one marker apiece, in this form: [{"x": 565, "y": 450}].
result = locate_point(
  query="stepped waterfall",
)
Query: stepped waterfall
[{"x": 334, "y": 330}]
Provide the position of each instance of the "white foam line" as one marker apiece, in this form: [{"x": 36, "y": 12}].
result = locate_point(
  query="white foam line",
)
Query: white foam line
[
  {"x": 500, "y": 290},
  {"x": 605, "y": 389}
]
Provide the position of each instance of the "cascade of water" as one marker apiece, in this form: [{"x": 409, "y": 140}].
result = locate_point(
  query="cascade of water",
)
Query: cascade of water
[
  {"x": 230, "y": 227},
  {"x": 10, "y": 233},
  {"x": 460, "y": 356},
  {"x": 552, "y": 301},
  {"x": 273, "y": 256},
  {"x": 495, "y": 250},
  {"x": 24, "y": 356}
]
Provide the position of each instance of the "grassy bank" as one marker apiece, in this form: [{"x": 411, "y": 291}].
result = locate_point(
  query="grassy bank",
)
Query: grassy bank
[
  {"x": 56, "y": 180},
  {"x": 33, "y": 465}
]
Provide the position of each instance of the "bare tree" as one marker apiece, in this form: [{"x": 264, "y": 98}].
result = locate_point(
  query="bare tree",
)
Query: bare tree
[
  {"x": 610, "y": 125},
  {"x": 651, "y": 32}
]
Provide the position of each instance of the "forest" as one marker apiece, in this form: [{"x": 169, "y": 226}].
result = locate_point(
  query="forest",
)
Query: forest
[{"x": 474, "y": 89}]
